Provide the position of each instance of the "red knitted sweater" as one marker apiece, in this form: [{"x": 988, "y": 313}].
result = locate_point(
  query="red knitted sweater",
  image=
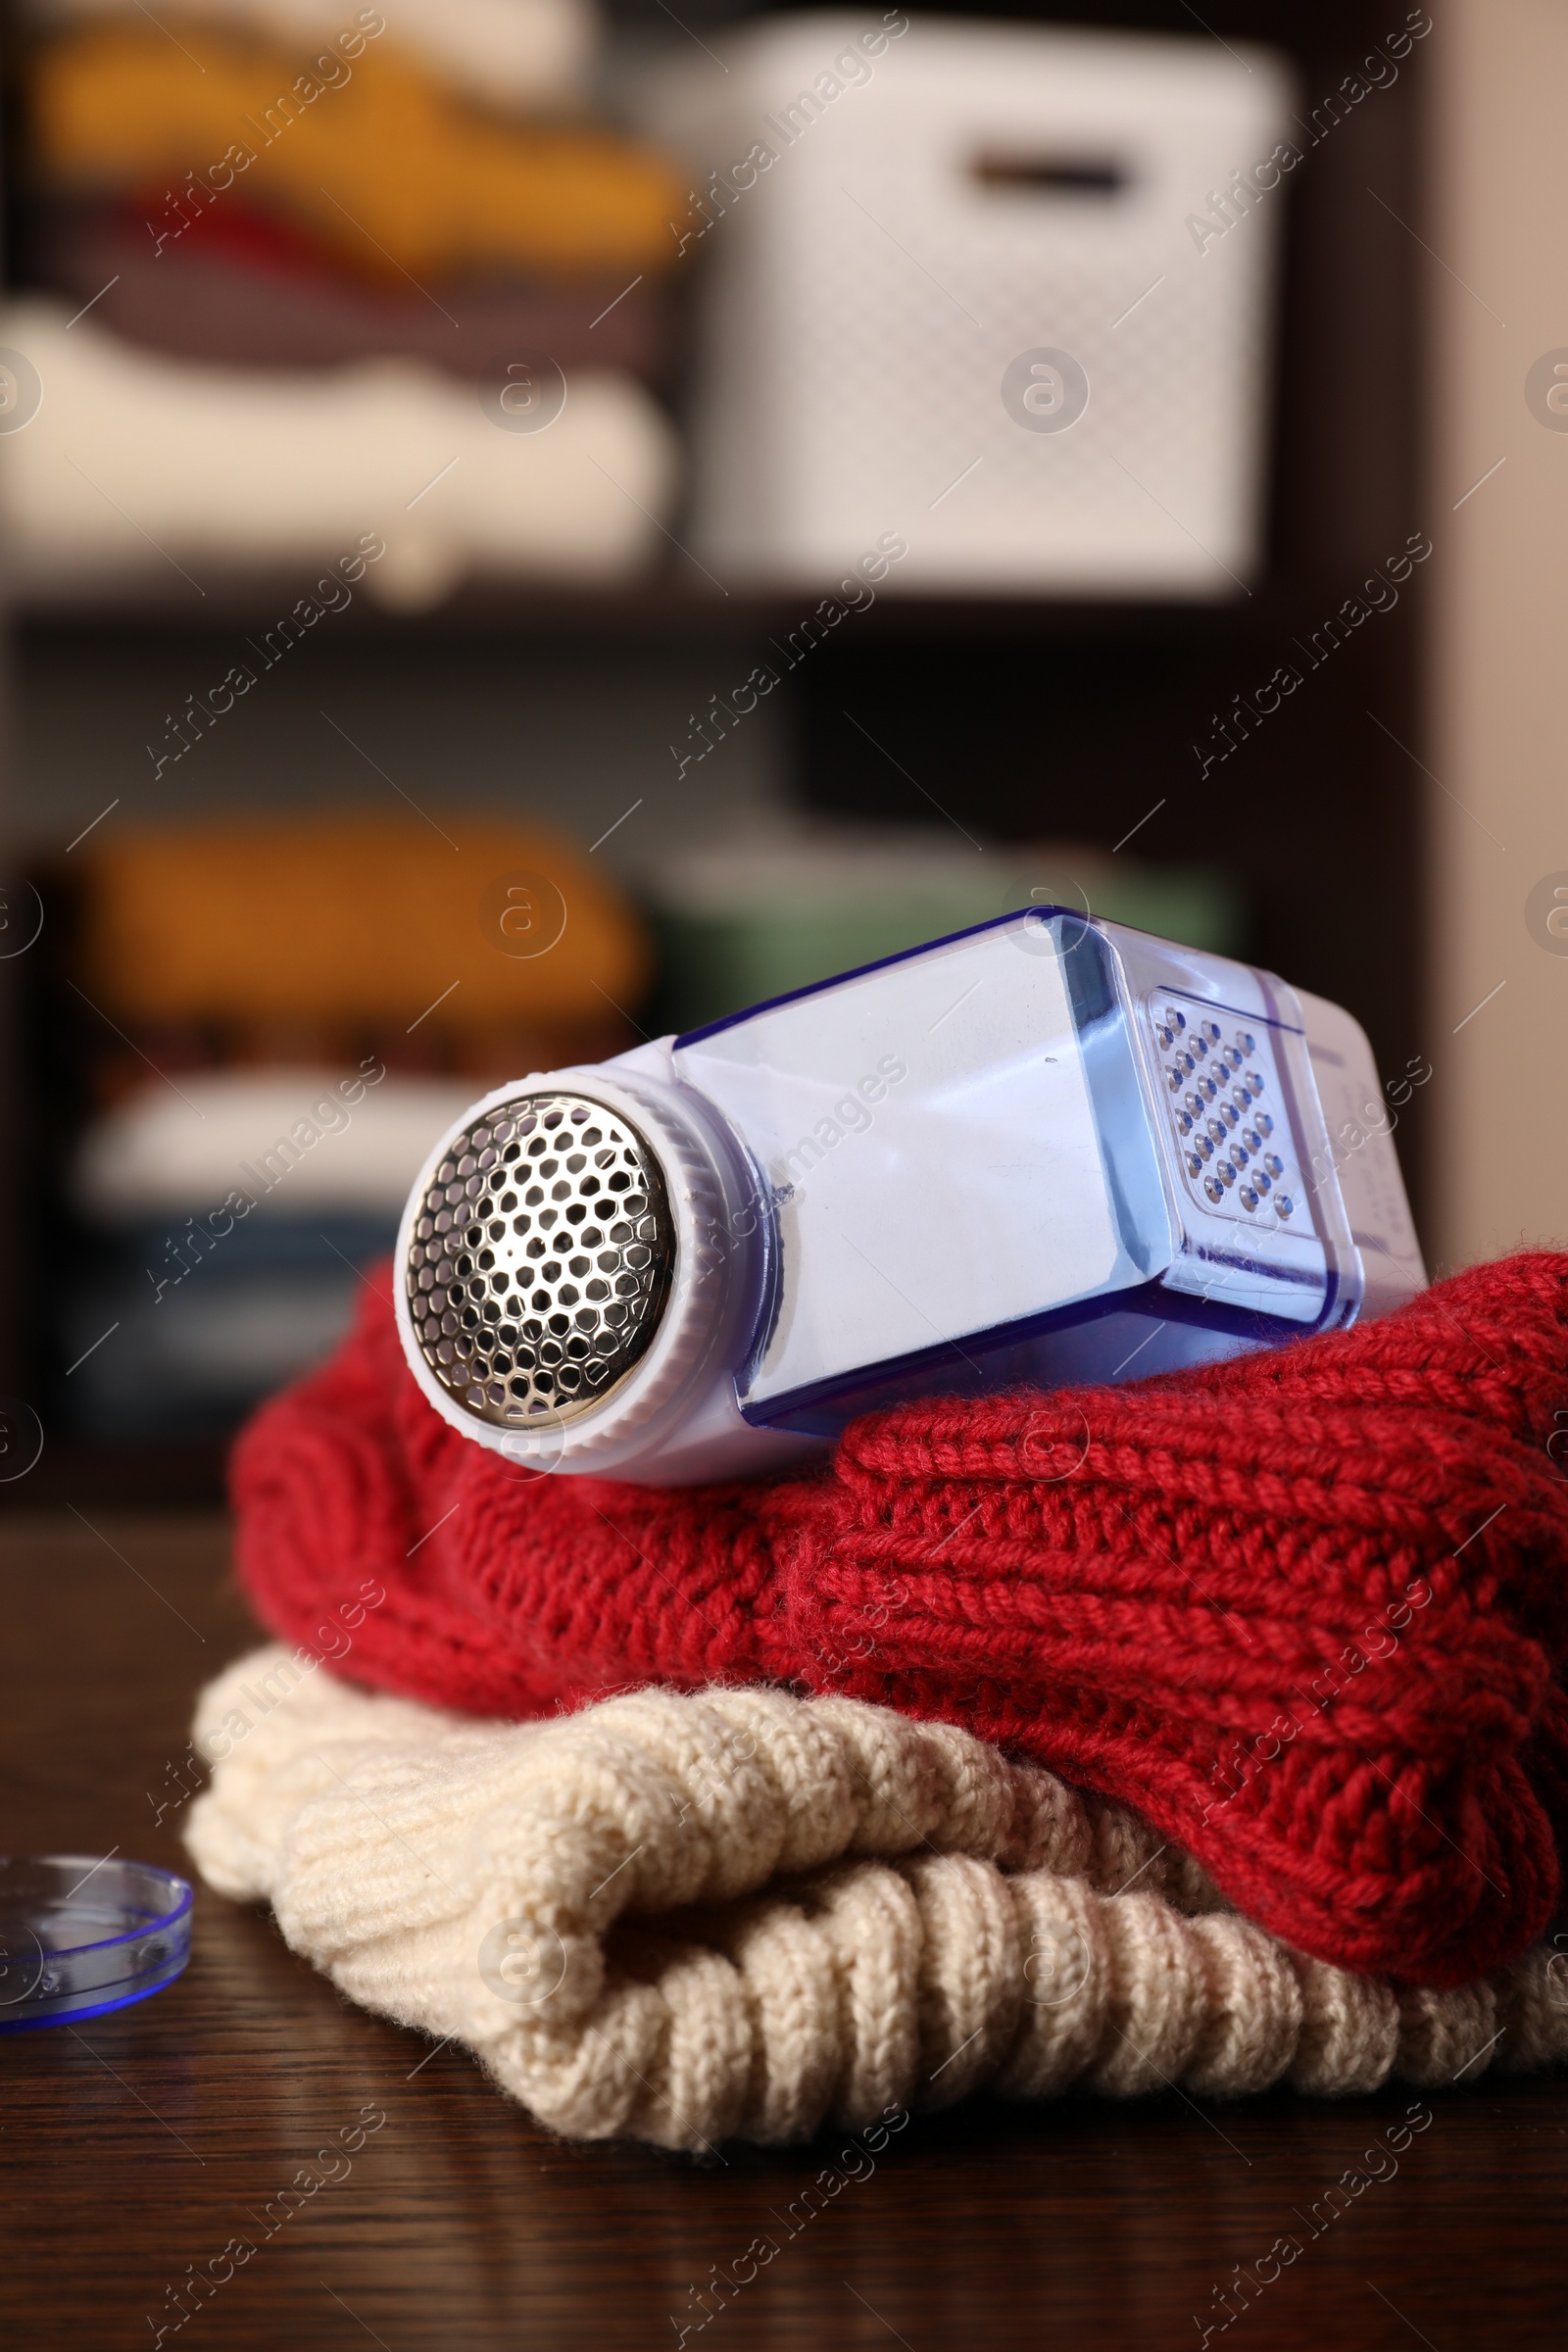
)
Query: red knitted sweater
[{"x": 1307, "y": 1612}]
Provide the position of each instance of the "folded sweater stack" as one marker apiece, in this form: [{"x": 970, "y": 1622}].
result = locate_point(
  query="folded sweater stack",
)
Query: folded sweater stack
[
  {"x": 287, "y": 246},
  {"x": 320, "y": 997},
  {"x": 329, "y": 186},
  {"x": 1303, "y": 1615}
]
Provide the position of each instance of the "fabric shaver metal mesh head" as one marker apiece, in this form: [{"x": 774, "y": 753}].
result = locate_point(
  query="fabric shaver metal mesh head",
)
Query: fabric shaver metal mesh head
[
  {"x": 578, "y": 1269},
  {"x": 540, "y": 1264}
]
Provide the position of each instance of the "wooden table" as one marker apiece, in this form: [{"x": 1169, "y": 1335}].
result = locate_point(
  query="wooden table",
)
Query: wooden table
[{"x": 138, "y": 2145}]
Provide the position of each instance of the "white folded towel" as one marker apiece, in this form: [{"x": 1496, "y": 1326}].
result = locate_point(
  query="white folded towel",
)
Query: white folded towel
[
  {"x": 133, "y": 463},
  {"x": 167, "y": 1154}
]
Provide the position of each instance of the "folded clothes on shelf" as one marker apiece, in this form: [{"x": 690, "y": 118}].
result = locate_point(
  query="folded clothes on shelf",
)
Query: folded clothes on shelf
[
  {"x": 229, "y": 1221},
  {"x": 295, "y": 1143},
  {"x": 249, "y": 290},
  {"x": 227, "y": 1212},
  {"x": 173, "y": 1327},
  {"x": 1304, "y": 1611},
  {"x": 746, "y": 1915},
  {"x": 518, "y": 53},
  {"x": 499, "y": 939},
  {"x": 361, "y": 145},
  {"x": 385, "y": 476}
]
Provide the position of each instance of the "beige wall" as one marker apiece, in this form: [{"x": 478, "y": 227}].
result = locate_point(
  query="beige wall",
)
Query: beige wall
[{"x": 1497, "y": 678}]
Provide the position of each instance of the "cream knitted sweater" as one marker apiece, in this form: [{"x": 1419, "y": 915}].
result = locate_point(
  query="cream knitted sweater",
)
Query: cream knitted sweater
[{"x": 742, "y": 1914}]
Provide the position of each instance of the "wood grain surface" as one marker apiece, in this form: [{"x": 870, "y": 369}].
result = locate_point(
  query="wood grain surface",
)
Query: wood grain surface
[{"x": 135, "y": 2148}]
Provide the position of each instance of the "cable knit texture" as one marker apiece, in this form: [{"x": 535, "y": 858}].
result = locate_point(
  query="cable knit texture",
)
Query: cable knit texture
[
  {"x": 1307, "y": 1612},
  {"x": 687, "y": 1919}
]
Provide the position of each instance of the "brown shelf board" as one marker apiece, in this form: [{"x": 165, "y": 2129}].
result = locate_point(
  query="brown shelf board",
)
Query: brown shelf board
[{"x": 665, "y": 608}]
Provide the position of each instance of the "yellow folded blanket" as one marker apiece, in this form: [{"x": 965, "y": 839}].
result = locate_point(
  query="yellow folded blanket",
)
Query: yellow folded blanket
[
  {"x": 469, "y": 924},
  {"x": 357, "y": 144}
]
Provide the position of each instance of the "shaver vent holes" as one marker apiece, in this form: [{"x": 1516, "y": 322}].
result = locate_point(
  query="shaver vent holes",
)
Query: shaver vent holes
[{"x": 1217, "y": 1082}]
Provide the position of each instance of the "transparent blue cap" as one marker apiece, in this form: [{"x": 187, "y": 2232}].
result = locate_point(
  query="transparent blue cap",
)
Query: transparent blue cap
[{"x": 80, "y": 1937}]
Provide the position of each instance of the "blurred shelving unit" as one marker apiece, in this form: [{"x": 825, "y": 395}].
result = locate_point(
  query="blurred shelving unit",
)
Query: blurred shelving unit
[{"x": 1036, "y": 718}]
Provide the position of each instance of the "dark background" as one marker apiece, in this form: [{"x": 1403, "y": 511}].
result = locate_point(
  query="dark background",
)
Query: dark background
[{"x": 1038, "y": 719}]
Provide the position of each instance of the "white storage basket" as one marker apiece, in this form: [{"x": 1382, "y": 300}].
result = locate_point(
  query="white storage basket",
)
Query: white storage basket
[{"x": 945, "y": 204}]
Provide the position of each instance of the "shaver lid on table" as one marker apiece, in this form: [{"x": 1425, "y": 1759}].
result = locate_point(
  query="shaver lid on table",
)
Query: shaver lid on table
[{"x": 81, "y": 1937}]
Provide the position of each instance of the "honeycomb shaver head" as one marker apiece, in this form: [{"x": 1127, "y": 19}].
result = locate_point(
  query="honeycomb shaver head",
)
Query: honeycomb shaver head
[{"x": 540, "y": 1262}]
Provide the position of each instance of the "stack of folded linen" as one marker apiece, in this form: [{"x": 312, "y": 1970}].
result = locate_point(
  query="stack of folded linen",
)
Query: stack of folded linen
[
  {"x": 1211, "y": 1731},
  {"x": 231, "y": 1212},
  {"x": 277, "y": 1019},
  {"x": 419, "y": 200}
]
